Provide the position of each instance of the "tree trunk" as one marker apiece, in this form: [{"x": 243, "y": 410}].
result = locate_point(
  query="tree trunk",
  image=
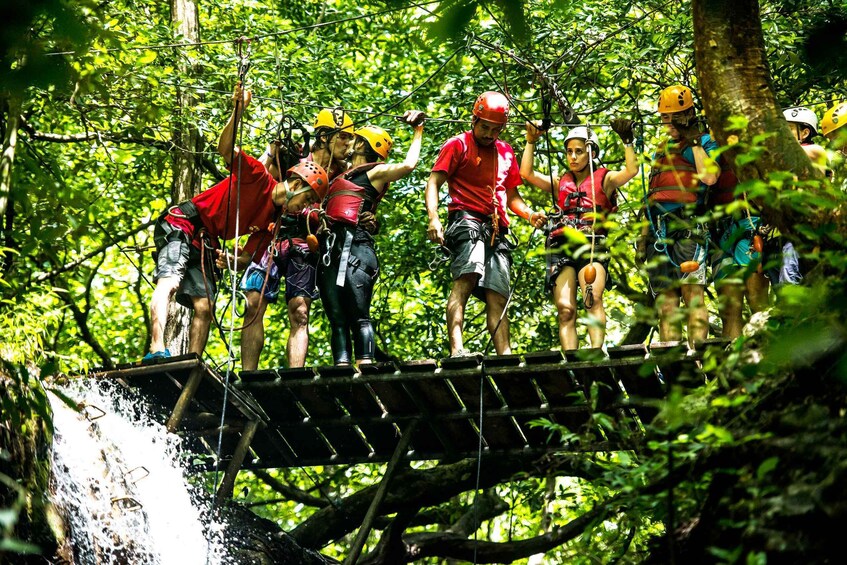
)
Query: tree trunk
[
  {"x": 10, "y": 140},
  {"x": 734, "y": 81},
  {"x": 187, "y": 155}
]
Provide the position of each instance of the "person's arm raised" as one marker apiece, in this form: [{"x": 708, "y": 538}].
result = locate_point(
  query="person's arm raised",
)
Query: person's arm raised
[{"x": 226, "y": 144}]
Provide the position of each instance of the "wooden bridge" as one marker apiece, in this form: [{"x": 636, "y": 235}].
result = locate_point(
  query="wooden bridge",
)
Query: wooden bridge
[
  {"x": 411, "y": 411},
  {"x": 386, "y": 412}
]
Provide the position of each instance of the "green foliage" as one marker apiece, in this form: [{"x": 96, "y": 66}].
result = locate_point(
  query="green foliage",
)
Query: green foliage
[{"x": 76, "y": 274}]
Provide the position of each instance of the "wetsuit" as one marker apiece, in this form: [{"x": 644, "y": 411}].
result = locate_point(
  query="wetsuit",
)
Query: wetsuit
[{"x": 346, "y": 284}]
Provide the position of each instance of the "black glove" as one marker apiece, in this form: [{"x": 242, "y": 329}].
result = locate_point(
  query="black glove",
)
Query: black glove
[
  {"x": 623, "y": 128},
  {"x": 413, "y": 117},
  {"x": 687, "y": 126}
]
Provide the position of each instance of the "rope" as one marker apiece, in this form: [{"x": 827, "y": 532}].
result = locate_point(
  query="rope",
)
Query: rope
[
  {"x": 481, "y": 389},
  {"x": 238, "y": 132}
]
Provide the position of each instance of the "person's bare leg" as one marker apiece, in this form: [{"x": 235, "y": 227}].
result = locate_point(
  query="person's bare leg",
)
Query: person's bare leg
[
  {"x": 298, "y": 337},
  {"x": 165, "y": 289},
  {"x": 564, "y": 298},
  {"x": 730, "y": 305},
  {"x": 456, "y": 304},
  {"x": 757, "y": 291},
  {"x": 198, "y": 333},
  {"x": 698, "y": 316},
  {"x": 597, "y": 312},
  {"x": 667, "y": 303},
  {"x": 497, "y": 319},
  {"x": 253, "y": 336}
]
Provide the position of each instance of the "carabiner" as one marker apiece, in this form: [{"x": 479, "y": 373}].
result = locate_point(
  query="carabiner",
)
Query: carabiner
[
  {"x": 326, "y": 259},
  {"x": 442, "y": 255}
]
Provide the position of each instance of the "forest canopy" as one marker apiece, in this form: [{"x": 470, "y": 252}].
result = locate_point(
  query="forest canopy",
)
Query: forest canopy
[{"x": 111, "y": 111}]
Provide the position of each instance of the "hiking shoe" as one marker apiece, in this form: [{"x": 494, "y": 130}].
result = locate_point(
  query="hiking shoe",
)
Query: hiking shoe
[
  {"x": 466, "y": 353},
  {"x": 156, "y": 355}
]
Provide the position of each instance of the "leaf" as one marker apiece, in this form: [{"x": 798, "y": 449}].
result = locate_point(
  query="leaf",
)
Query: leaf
[{"x": 766, "y": 467}]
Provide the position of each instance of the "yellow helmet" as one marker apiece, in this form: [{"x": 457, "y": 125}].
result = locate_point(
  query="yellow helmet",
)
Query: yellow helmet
[
  {"x": 675, "y": 98},
  {"x": 834, "y": 118},
  {"x": 334, "y": 118},
  {"x": 377, "y": 138}
]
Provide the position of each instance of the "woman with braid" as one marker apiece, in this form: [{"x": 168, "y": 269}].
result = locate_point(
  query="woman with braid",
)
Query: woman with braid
[
  {"x": 347, "y": 279},
  {"x": 584, "y": 196}
]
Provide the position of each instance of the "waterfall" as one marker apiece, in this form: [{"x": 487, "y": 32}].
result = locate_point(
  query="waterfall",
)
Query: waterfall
[{"x": 118, "y": 480}]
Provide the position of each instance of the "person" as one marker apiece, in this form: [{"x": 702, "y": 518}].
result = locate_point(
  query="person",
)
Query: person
[
  {"x": 585, "y": 195},
  {"x": 346, "y": 283},
  {"x": 740, "y": 252},
  {"x": 675, "y": 244},
  {"x": 292, "y": 258},
  {"x": 482, "y": 177},
  {"x": 185, "y": 233},
  {"x": 804, "y": 125},
  {"x": 831, "y": 124}
]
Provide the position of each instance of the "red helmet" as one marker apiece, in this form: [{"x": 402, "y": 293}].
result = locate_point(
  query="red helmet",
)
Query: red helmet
[
  {"x": 492, "y": 107},
  {"x": 314, "y": 175}
]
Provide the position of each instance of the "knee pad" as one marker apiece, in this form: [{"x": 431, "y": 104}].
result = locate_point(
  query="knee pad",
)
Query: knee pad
[{"x": 363, "y": 339}]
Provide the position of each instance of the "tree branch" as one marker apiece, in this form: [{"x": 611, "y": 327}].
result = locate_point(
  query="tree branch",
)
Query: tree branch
[
  {"x": 289, "y": 492},
  {"x": 451, "y": 546},
  {"x": 421, "y": 488},
  {"x": 76, "y": 263}
]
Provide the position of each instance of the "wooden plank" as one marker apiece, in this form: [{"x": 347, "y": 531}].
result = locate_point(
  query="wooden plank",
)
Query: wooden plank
[
  {"x": 392, "y": 395},
  {"x": 280, "y": 406},
  {"x": 499, "y": 432},
  {"x": 436, "y": 397},
  {"x": 519, "y": 391},
  {"x": 559, "y": 389},
  {"x": 319, "y": 402},
  {"x": 357, "y": 400},
  {"x": 382, "y": 489},
  {"x": 238, "y": 454}
]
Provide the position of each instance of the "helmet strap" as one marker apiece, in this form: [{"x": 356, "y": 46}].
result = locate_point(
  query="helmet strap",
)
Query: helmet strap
[{"x": 289, "y": 194}]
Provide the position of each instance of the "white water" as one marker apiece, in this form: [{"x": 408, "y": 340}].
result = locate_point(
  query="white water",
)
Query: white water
[{"x": 118, "y": 480}]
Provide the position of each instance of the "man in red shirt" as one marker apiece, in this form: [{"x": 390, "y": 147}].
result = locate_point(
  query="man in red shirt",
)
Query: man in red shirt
[
  {"x": 482, "y": 178},
  {"x": 185, "y": 234}
]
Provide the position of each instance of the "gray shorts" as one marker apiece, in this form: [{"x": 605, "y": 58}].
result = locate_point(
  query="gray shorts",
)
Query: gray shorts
[
  {"x": 176, "y": 256},
  {"x": 473, "y": 254},
  {"x": 678, "y": 245}
]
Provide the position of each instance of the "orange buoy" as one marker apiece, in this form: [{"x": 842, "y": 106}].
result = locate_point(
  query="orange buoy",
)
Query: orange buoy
[
  {"x": 689, "y": 266},
  {"x": 312, "y": 242},
  {"x": 758, "y": 244},
  {"x": 590, "y": 273}
]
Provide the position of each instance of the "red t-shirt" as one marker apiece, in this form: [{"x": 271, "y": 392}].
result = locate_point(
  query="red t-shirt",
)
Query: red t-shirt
[
  {"x": 255, "y": 203},
  {"x": 471, "y": 171}
]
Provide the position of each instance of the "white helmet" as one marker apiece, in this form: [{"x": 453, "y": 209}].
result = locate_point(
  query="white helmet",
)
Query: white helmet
[
  {"x": 581, "y": 132},
  {"x": 803, "y": 116}
]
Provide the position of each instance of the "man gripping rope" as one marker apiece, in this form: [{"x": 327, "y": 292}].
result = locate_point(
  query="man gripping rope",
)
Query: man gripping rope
[{"x": 482, "y": 178}]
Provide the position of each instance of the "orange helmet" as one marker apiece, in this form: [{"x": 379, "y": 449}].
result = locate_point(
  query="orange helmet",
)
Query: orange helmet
[
  {"x": 377, "y": 138},
  {"x": 675, "y": 98},
  {"x": 834, "y": 118},
  {"x": 492, "y": 107},
  {"x": 314, "y": 175}
]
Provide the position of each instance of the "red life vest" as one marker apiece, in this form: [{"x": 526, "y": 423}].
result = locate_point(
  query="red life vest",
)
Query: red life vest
[
  {"x": 345, "y": 199},
  {"x": 672, "y": 178},
  {"x": 575, "y": 201}
]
